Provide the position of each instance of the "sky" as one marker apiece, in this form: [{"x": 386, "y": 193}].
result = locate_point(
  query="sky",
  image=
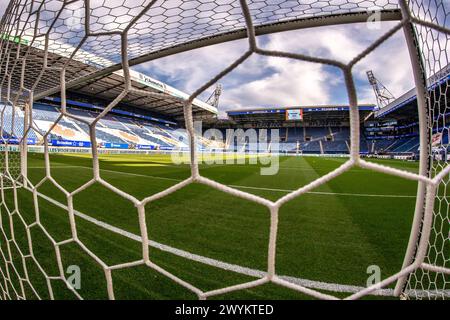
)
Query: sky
[{"x": 279, "y": 82}]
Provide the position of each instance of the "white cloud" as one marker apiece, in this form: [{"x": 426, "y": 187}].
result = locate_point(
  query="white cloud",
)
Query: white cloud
[
  {"x": 194, "y": 68},
  {"x": 272, "y": 81},
  {"x": 390, "y": 62},
  {"x": 292, "y": 83},
  {"x": 3, "y": 6}
]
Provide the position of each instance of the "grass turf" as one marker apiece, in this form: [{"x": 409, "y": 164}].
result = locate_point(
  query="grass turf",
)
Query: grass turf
[{"x": 330, "y": 235}]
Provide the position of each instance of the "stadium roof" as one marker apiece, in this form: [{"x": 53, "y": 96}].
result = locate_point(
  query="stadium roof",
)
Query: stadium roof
[
  {"x": 317, "y": 108},
  {"x": 109, "y": 87},
  {"x": 106, "y": 87},
  {"x": 331, "y": 112},
  {"x": 408, "y": 101}
]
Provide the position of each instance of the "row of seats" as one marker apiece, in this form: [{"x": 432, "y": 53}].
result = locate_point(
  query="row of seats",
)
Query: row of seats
[
  {"x": 405, "y": 145},
  {"x": 338, "y": 146},
  {"x": 13, "y": 123},
  {"x": 310, "y": 147},
  {"x": 300, "y": 134},
  {"x": 121, "y": 130}
]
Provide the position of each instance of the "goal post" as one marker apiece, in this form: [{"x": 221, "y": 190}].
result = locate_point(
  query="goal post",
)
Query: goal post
[
  {"x": 419, "y": 284},
  {"x": 49, "y": 47},
  {"x": 424, "y": 167}
]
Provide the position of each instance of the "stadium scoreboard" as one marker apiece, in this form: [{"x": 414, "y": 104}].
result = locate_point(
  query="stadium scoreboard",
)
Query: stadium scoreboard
[{"x": 294, "y": 114}]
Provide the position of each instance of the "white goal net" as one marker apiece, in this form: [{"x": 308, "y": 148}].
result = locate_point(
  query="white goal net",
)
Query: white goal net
[{"x": 48, "y": 47}]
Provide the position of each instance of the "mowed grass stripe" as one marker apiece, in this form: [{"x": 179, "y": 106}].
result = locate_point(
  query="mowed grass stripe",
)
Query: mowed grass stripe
[
  {"x": 320, "y": 236},
  {"x": 327, "y": 228},
  {"x": 241, "y": 186},
  {"x": 180, "y": 198}
]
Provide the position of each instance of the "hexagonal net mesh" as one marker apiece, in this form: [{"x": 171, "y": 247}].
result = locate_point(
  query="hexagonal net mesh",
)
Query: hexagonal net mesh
[
  {"x": 47, "y": 46},
  {"x": 434, "y": 50}
]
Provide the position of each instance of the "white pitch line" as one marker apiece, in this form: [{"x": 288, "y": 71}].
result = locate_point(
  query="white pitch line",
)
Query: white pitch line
[
  {"x": 329, "y": 193},
  {"x": 334, "y": 287},
  {"x": 114, "y": 171},
  {"x": 247, "y": 187}
]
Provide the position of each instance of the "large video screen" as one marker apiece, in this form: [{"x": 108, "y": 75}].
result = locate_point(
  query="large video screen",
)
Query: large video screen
[{"x": 294, "y": 114}]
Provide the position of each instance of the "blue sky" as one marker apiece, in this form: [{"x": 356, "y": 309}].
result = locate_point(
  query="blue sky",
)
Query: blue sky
[{"x": 277, "y": 82}]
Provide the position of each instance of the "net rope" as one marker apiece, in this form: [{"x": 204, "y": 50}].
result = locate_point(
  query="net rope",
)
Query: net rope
[
  {"x": 17, "y": 97},
  {"x": 427, "y": 283}
]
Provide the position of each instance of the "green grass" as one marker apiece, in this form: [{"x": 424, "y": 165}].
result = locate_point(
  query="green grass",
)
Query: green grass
[{"x": 330, "y": 236}]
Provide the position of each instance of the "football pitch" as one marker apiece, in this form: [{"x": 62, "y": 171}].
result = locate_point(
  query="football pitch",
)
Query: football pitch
[{"x": 327, "y": 238}]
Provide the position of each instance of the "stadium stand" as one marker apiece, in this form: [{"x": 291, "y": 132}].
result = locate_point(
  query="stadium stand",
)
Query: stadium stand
[
  {"x": 338, "y": 146},
  {"x": 322, "y": 129},
  {"x": 406, "y": 145},
  {"x": 311, "y": 147},
  {"x": 316, "y": 133},
  {"x": 115, "y": 131},
  {"x": 295, "y": 134},
  {"x": 382, "y": 145}
]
